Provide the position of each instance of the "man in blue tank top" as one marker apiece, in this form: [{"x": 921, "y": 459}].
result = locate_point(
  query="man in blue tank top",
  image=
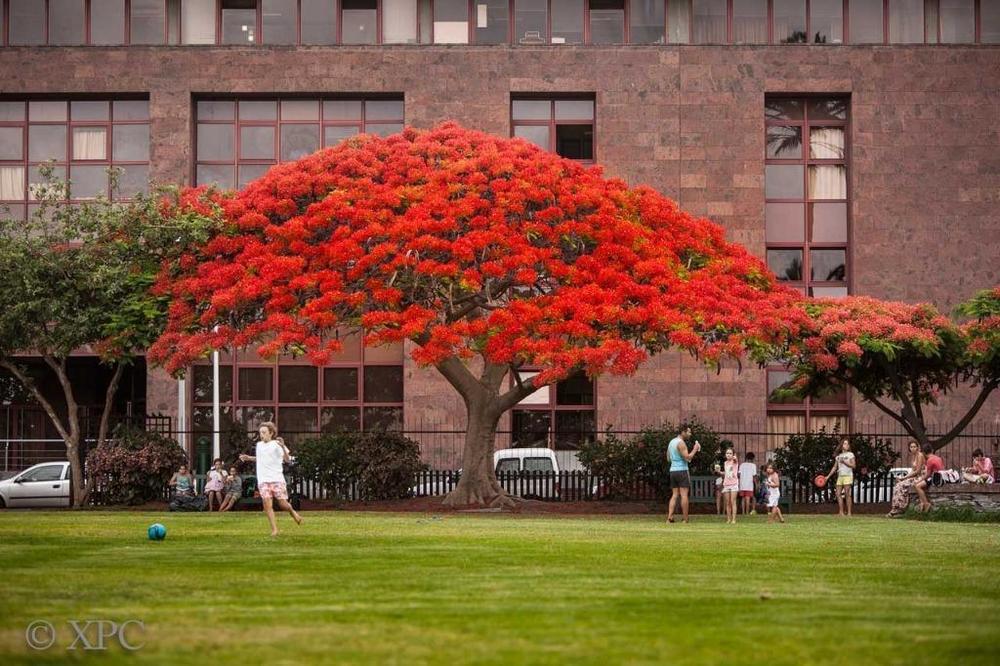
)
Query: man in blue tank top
[{"x": 680, "y": 479}]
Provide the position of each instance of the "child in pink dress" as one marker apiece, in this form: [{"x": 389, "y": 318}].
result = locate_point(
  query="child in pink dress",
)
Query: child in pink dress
[{"x": 215, "y": 483}]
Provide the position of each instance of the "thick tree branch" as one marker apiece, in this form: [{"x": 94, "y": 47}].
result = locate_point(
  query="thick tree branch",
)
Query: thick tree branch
[
  {"x": 984, "y": 393},
  {"x": 29, "y": 384},
  {"x": 461, "y": 379}
]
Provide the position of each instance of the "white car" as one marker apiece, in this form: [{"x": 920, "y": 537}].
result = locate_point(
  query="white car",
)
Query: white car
[
  {"x": 43, "y": 485},
  {"x": 528, "y": 472}
]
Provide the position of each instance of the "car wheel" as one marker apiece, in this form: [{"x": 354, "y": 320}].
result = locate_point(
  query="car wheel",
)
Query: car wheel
[{"x": 3, "y": 505}]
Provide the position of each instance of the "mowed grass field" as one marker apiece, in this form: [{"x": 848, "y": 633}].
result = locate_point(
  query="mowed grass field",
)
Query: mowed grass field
[{"x": 499, "y": 589}]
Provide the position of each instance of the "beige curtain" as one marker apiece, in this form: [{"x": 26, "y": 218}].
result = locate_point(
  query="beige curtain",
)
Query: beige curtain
[
  {"x": 826, "y": 143},
  {"x": 90, "y": 143},
  {"x": 11, "y": 183},
  {"x": 828, "y": 182},
  {"x": 828, "y": 422},
  {"x": 750, "y": 22},
  {"x": 780, "y": 426}
]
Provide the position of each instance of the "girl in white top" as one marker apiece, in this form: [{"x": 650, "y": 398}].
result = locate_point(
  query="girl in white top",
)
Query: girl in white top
[
  {"x": 773, "y": 494},
  {"x": 730, "y": 485},
  {"x": 271, "y": 452}
]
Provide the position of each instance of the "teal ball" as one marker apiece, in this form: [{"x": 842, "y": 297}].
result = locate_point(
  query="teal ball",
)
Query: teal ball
[{"x": 157, "y": 532}]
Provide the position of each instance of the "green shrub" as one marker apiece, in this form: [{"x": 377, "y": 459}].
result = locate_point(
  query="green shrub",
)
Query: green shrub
[
  {"x": 621, "y": 462},
  {"x": 133, "y": 466},
  {"x": 382, "y": 463},
  {"x": 804, "y": 456}
]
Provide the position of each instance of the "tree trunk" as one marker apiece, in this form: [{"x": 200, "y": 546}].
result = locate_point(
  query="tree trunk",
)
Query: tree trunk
[{"x": 478, "y": 485}]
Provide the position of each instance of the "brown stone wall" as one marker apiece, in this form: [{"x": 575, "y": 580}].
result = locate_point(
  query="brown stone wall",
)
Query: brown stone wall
[{"x": 924, "y": 177}]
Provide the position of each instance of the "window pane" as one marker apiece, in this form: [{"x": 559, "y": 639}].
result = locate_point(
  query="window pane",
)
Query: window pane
[
  {"x": 383, "y": 418},
  {"x": 989, "y": 22},
  {"x": 47, "y": 111},
  {"x": 530, "y": 19},
  {"x": 531, "y": 109},
  {"x": 147, "y": 22},
  {"x": 220, "y": 175},
  {"x": 131, "y": 109},
  {"x": 198, "y": 21},
  {"x": 297, "y": 423},
  {"x": 784, "y": 222},
  {"x": 319, "y": 22},
  {"x": 827, "y": 109},
  {"x": 338, "y": 419},
  {"x": 300, "y": 109},
  {"x": 829, "y": 223},
  {"x": 90, "y": 143},
  {"x": 334, "y": 134},
  {"x": 607, "y": 22},
  {"x": 750, "y": 21},
  {"x": 785, "y": 264},
  {"x": 251, "y": 417},
  {"x": 575, "y": 142},
  {"x": 784, "y": 142},
  {"x": 27, "y": 22},
  {"x": 780, "y": 108},
  {"x": 492, "y": 21},
  {"x": 88, "y": 182},
  {"x": 865, "y": 21},
  {"x": 826, "y": 143},
  {"x": 777, "y": 379},
  {"x": 216, "y": 110},
  {"x": 646, "y": 22},
  {"x": 66, "y": 22},
  {"x": 383, "y": 109},
  {"x": 36, "y": 181},
  {"x": 567, "y": 21},
  {"x": 107, "y": 21},
  {"x": 828, "y": 265},
  {"x": 88, "y": 110},
  {"x": 678, "y": 21},
  {"x": 827, "y": 182},
  {"x": 572, "y": 428},
  {"x": 297, "y": 383},
  {"x": 298, "y": 141},
  {"x": 828, "y": 292},
  {"x": 11, "y": 182},
  {"x": 906, "y": 21},
  {"x": 577, "y": 389},
  {"x": 783, "y": 181},
  {"x": 257, "y": 143},
  {"x": 931, "y": 21},
  {"x": 709, "y": 21},
  {"x": 134, "y": 178},
  {"x": 530, "y": 427},
  {"x": 251, "y": 172},
  {"x": 383, "y": 383},
  {"x": 46, "y": 142},
  {"x": 11, "y": 143},
  {"x": 573, "y": 109},
  {"x": 958, "y": 20},
  {"x": 790, "y": 21},
  {"x": 239, "y": 21},
  {"x": 258, "y": 110},
  {"x": 256, "y": 384},
  {"x": 826, "y": 19},
  {"x": 11, "y": 111},
  {"x": 451, "y": 22},
  {"x": 202, "y": 383},
  {"x": 215, "y": 142},
  {"x": 399, "y": 22},
  {"x": 342, "y": 109},
  {"x": 536, "y": 134},
  {"x": 358, "y": 17},
  {"x": 278, "y": 21},
  {"x": 340, "y": 384}
]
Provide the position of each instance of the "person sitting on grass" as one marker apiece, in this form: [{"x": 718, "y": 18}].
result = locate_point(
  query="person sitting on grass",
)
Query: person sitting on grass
[
  {"x": 901, "y": 493},
  {"x": 748, "y": 484},
  {"x": 981, "y": 470},
  {"x": 932, "y": 466},
  {"x": 844, "y": 465},
  {"x": 215, "y": 482},
  {"x": 234, "y": 489},
  {"x": 773, "y": 494},
  {"x": 680, "y": 479},
  {"x": 271, "y": 452},
  {"x": 182, "y": 482}
]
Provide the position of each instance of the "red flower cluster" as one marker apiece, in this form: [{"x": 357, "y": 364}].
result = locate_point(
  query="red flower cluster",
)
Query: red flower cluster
[{"x": 467, "y": 244}]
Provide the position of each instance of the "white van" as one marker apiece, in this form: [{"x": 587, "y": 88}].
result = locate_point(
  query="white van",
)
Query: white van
[
  {"x": 530, "y": 472},
  {"x": 43, "y": 485}
]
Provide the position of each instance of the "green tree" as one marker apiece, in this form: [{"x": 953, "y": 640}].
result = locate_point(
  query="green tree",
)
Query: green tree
[{"x": 78, "y": 277}]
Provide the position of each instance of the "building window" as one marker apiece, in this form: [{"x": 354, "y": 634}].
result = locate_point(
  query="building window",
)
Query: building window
[
  {"x": 709, "y": 21},
  {"x": 607, "y": 21},
  {"x": 806, "y": 198},
  {"x": 958, "y": 21},
  {"x": 360, "y": 389},
  {"x": 865, "y": 23},
  {"x": 906, "y": 21},
  {"x": 989, "y": 22},
  {"x": 81, "y": 139},
  {"x": 558, "y": 417},
  {"x": 562, "y": 126},
  {"x": 789, "y": 21},
  {"x": 646, "y": 21},
  {"x": 789, "y": 416},
  {"x": 492, "y": 21},
  {"x": 238, "y": 140},
  {"x": 750, "y": 22},
  {"x": 826, "y": 21}
]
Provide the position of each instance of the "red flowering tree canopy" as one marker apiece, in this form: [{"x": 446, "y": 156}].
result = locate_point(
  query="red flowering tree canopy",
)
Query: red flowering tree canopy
[
  {"x": 899, "y": 353},
  {"x": 468, "y": 245}
]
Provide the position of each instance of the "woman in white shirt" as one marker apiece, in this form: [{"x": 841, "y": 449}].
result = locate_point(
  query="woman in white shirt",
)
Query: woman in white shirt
[{"x": 270, "y": 454}]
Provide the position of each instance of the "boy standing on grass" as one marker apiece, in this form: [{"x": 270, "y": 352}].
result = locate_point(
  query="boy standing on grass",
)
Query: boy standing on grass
[
  {"x": 773, "y": 494},
  {"x": 748, "y": 484},
  {"x": 271, "y": 452}
]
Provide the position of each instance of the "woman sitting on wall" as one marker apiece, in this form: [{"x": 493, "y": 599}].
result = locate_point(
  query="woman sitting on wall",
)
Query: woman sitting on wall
[{"x": 901, "y": 493}]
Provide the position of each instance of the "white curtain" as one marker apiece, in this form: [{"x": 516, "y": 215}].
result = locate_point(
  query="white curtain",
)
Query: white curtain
[
  {"x": 828, "y": 182},
  {"x": 11, "y": 183},
  {"x": 198, "y": 21},
  {"x": 826, "y": 143},
  {"x": 709, "y": 22},
  {"x": 749, "y": 22},
  {"x": 90, "y": 143}
]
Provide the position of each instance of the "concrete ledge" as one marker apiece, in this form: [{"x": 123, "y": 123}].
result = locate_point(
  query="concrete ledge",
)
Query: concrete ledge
[{"x": 977, "y": 496}]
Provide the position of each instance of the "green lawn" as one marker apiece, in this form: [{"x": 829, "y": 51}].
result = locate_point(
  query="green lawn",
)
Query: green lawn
[{"x": 492, "y": 589}]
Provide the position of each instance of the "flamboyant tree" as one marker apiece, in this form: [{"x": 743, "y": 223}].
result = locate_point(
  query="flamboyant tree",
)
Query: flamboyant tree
[
  {"x": 900, "y": 357},
  {"x": 489, "y": 254}
]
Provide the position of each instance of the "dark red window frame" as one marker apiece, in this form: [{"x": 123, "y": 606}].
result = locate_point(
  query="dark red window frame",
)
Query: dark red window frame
[
  {"x": 552, "y": 123},
  {"x": 552, "y": 408}
]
